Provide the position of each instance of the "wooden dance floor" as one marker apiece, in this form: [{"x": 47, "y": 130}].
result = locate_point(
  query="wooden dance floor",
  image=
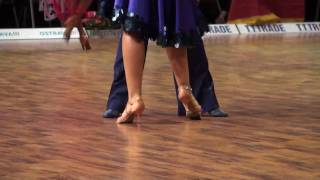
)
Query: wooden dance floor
[{"x": 53, "y": 95}]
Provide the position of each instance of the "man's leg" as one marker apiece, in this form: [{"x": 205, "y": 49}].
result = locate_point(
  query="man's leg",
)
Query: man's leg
[
  {"x": 310, "y": 10},
  {"x": 202, "y": 83},
  {"x": 105, "y": 8},
  {"x": 118, "y": 95}
]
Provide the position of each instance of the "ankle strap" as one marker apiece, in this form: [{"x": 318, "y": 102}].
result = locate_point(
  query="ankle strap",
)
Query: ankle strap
[
  {"x": 137, "y": 99},
  {"x": 185, "y": 87}
]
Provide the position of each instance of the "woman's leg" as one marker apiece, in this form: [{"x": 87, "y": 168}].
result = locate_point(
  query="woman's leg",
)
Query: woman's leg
[
  {"x": 133, "y": 56},
  {"x": 75, "y": 10},
  {"x": 179, "y": 63},
  {"x": 84, "y": 39}
]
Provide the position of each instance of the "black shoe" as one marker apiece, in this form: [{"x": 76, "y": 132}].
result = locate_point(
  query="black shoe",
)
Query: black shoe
[
  {"x": 218, "y": 113},
  {"x": 109, "y": 113}
]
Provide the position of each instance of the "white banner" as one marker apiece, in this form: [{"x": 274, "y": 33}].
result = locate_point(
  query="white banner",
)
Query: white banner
[
  {"x": 35, "y": 33},
  {"x": 279, "y": 28},
  {"x": 214, "y": 30},
  {"x": 263, "y": 28},
  {"x": 111, "y": 33},
  {"x": 308, "y": 27},
  {"x": 222, "y": 29}
]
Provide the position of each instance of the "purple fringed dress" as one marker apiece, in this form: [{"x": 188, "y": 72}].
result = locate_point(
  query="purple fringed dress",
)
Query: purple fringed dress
[{"x": 172, "y": 23}]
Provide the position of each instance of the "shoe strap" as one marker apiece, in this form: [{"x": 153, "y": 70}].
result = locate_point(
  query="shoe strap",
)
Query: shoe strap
[
  {"x": 137, "y": 99},
  {"x": 185, "y": 87}
]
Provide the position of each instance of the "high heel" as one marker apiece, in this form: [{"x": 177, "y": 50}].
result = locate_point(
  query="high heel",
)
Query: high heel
[
  {"x": 84, "y": 41},
  {"x": 192, "y": 107},
  {"x": 132, "y": 110}
]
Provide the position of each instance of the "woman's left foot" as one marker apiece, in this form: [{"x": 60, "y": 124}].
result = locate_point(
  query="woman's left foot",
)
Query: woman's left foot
[
  {"x": 191, "y": 105},
  {"x": 133, "y": 109}
]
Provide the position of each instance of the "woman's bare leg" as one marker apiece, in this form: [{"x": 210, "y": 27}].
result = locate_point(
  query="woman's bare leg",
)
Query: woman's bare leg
[
  {"x": 84, "y": 39},
  {"x": 133, "y": 56},
  {"x": 179, "y": 64}
]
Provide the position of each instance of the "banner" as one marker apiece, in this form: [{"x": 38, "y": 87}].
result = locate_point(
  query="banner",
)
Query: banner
[
  {"x": 279, "y": 28},
  {"x": 222, "y": 29},
  {"x": 35, "y": 33},
  {"x": 214, "y": 30}
]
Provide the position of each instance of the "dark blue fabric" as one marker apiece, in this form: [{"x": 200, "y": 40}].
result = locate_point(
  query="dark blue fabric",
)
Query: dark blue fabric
[
  {"x": 118, "y": 95},
  {"x": 105, "y": 8},
  {"x": 173, "y": 23}
]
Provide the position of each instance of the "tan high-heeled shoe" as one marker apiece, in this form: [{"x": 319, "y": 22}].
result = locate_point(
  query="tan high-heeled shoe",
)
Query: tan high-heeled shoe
[
  {"x": 132, "y": 110},
  {"x": 192, "y": 107},
  {"x": 84, "y": 41}
]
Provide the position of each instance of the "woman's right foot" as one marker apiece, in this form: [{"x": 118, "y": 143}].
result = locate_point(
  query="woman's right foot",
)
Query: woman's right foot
[
  {"x": 84, "y": 41},
  {"x": 132, "y": 110},
  {"x": 192, "y": 107}
]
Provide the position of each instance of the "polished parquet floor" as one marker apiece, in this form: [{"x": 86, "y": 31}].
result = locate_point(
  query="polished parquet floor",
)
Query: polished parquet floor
[{"x": 52, "y": 96}]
